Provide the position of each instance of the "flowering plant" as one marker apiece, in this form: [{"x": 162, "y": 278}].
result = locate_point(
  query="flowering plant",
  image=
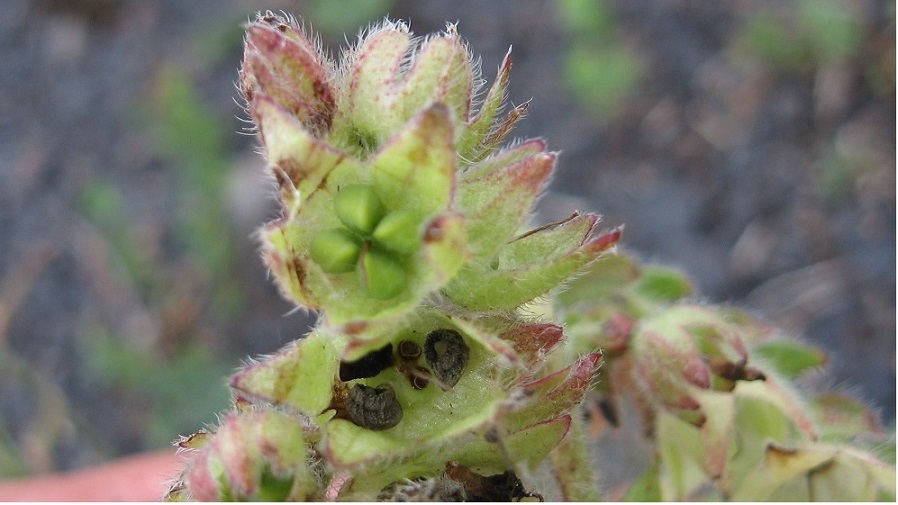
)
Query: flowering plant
[{"x": 437, "y": 369}]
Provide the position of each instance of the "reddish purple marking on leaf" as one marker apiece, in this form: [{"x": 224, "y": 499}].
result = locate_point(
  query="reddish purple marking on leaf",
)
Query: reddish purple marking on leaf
[
  {"x": 565, "y": 388},
  {"x": 607, "y": 240},
  {"x": 534, "y": 340}
]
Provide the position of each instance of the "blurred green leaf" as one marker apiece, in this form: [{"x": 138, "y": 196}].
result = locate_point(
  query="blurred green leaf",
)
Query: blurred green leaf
[
  {"x": 193, "y": 137},
  {"x": 774, "y": 42},
  {"x": 645, "y": 488},
  {"x": 837, "y": 176},
  {"x": 607, "y": 278},
  {"x": 663, "y": 283},
  {"x": 12, "y": 464},
  {"x": 337, "y": 18},
  {"x": 789, "y": 357},
  {"x": 588, "y": 17},
  {"x": 102, "y": 204},
  {"x": 43, "y": 421},
  {"x": 189, "y": 132},
  {"x": 818, "y": 32},
  {"x": 830, "y": 28},
  {"x": 181, "y": 391},
  {"x": 843, "y": 418},
  {"x": 602, "y": 76}
]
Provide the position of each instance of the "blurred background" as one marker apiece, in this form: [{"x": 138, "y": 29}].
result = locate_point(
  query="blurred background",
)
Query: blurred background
[{"x": 751, "y": 143}]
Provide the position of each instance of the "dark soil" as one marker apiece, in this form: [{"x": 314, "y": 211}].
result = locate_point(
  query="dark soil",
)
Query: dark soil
[{"x": 771, "y": 183}]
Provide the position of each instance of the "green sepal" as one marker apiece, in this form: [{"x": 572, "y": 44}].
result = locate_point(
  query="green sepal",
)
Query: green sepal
[
  {"x": 572, "y": 466},
  {"x": 300, "y": 376},
  {"x": 475, "y": 142},
  {"x": 673, "y": 371},
  {"x": 195, "y": 441},
  {"x": 374, "y": 70},
  {"x": 504, "y": 158},
  {"x": 497, "y": 203},
  {"x": 546, "y": 244},
  {"x": 679, "y": 446},
  {"x": 846, "y": 419},
  {"x": 606, "y": 281},
  {"x": 282, "y": 63},
  {"x": 301, "y": 162},
  {"x": 817, "y": 472},
  {"x": 759, "y": 419},
  {"x": 646, "y": 487},
  {"x": 479, "y": 287},
  {"x": 555, "y": 394},
  {"x": 415, "y": 170},
  {"x": 441, "y": 73},
  {"x": 527, "y": 447}
]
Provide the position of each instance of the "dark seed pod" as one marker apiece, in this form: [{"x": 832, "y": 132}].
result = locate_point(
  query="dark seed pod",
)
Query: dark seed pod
[
  {"x": 373, "y": 408},
  {"x": 368, "y": 365},
  {"x": 447, "y": 354}
]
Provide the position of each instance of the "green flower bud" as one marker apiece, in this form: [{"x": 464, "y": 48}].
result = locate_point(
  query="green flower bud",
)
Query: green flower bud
[
  {"x": 382, "y": 276},
  {"x": 398, "y": 232},
  {"x": 359, "y": 208},
  {"x": 335, "y": 251}
]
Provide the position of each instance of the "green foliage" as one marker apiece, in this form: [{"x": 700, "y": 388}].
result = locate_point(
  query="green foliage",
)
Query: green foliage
[
  {"x": 790, "y": 358},
  {"x": 774, "y": 42},
  {"x": 337, "y": 18},
  {"x": 195, "y": 139},
  {"x": 30, "y": 438},
  {"x": 101, "y": 202},
  {"x": 599, "y": 68},
  {"x": 185, "y": 390},
  {"x": 12, "y": 464},
  {"x": 817, "y": 32},
  {"x": 587, "y": 17},
  {"x": 831, "y": 29},
  {"x": 602, "y": 76}
]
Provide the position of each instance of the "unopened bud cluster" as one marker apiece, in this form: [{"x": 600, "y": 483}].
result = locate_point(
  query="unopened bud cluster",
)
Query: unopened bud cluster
[{"x": 713, "y": 391}]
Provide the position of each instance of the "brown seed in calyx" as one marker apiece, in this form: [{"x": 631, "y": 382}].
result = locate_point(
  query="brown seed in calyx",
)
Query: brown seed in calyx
[
  {"x": 376, "y": 409},
  {"x": 447, "y": 354},
  {"x": 418, "y": 377}
]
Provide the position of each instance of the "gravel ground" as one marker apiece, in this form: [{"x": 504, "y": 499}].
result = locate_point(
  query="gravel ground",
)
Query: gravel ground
[{"x": 771, "y": 181}]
